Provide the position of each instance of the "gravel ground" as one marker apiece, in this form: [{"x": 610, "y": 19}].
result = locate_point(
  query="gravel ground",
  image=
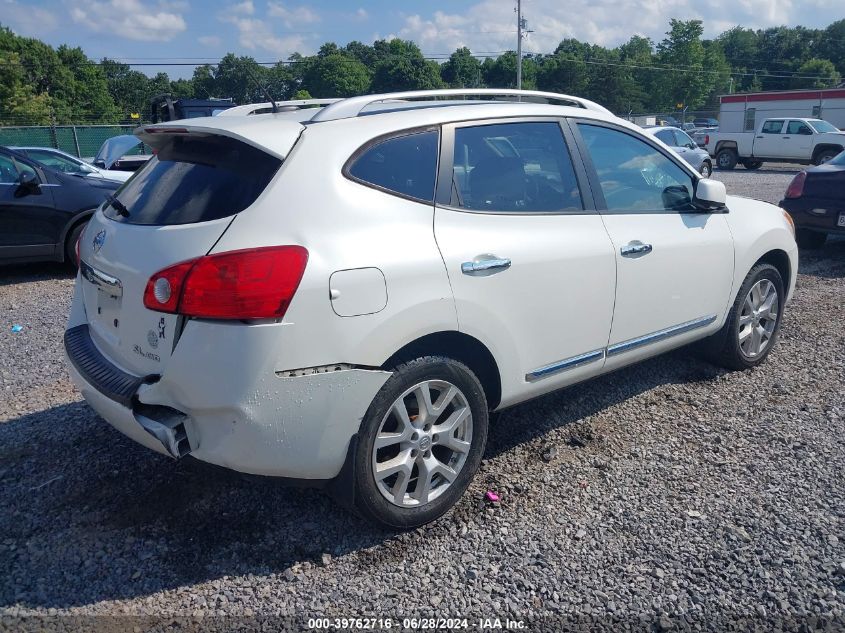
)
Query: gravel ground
[{"x": 671, "y": 495}]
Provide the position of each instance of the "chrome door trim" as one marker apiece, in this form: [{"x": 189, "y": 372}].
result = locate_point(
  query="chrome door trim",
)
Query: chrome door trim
[
  {"x": 565, "y": 364},
  {"x": 660, "y": 335},
  {"x": 110, "y": 285}
]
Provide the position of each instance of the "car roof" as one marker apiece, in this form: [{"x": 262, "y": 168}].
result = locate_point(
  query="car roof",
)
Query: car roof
[{"x": 277, "y": 132}]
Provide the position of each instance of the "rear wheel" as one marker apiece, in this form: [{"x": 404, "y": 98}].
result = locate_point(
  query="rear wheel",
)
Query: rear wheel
[
  {"x": 753, "y": 324},
  {"x": 752, "y": 164},
  {"x": 726, "y": 159},
  {"x": 810, "y": 239},
  {"x": 70, "y": 244},
  {"x": 421, "y": 442}
]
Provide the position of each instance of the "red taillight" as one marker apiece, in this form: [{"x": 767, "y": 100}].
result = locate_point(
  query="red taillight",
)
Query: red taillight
[
  {"x": 796, "y": 187},
  {"x": 707, "y": 139},
  {"x": 256, "y": 283},
  {"x": 76, "y": 246}
]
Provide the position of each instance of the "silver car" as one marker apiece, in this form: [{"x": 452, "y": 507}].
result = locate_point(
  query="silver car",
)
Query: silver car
[{"x": 681, "y": 142}]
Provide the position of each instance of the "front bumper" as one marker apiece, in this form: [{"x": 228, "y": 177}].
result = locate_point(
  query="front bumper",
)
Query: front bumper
[
  {"x": 287, "y": 426},
  {"x": 815, "y": 214}
]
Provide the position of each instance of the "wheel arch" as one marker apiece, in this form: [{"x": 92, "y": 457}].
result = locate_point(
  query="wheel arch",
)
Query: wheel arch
[
  {"x": 780, "y": 260},
  {"x": 725, "y": 145},
  {"x": 824, "y": 147},
  {"x": 70, "y": 225},
  {"x": 462, "y": 348}
]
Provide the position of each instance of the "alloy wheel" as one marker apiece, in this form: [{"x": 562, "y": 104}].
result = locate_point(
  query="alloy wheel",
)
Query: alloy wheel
[
  {"x": 758, "y": 318},
  {"x": 422, "y": 443}
]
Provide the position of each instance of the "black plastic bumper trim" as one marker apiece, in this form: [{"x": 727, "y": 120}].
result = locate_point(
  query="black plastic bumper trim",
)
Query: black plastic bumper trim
[{"x": 109, "y": 380}]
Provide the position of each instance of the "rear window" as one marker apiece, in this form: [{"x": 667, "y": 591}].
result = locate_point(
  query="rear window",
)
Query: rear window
[
  {"x": 405, "y": 165},
  {"x": 194, "y": 179}
]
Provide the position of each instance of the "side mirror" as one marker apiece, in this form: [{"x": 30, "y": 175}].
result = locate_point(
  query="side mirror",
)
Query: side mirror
[
  {"x": 27, "y": 184},
  {"x": 710, "y": 195}
]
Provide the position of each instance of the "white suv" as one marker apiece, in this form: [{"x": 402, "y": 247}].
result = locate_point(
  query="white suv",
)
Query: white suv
[{"x": 342, "y": 293}]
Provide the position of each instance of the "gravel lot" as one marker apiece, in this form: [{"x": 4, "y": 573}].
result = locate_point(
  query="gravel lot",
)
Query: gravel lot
[{"x": 668, "y": 495}]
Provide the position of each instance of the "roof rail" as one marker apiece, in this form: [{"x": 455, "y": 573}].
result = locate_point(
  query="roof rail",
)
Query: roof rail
[
  {"x": 353, "y": 106},
  {"x": 294, "y": 104}
]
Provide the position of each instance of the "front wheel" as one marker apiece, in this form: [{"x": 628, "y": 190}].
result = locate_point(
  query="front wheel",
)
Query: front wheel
[
  {"x": 726, "y": 159},
  {"x": 753, "y": 324},
  {"x": 420, "y": 443},
  {"x": 825, "y": 155},
  {"x": 706, "y": 169},
  {"x": 70, "y": 244}
]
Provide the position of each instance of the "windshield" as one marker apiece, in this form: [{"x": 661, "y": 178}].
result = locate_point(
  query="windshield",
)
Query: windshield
[
  {"x": 194, "y": 180},
  {"x": 822, "y": 127},
  {"x": 59, "y": 162}
]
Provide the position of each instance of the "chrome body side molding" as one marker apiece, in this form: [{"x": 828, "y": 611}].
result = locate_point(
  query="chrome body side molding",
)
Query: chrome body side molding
[
  {"x": 563, "y": 365},
  {"x": 660, "y": 335}
]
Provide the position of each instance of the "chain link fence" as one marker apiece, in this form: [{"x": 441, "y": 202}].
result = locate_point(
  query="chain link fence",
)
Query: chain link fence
[{"x": 80, "y": 140}]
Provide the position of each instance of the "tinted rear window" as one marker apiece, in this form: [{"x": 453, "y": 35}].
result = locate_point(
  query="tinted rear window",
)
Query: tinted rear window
[
  {"x": 405, "y": 164},
  {"x": 195, "y": 180}
]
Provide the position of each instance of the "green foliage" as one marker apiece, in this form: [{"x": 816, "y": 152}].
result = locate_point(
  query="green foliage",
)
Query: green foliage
[{"x": 40, "y": 84}]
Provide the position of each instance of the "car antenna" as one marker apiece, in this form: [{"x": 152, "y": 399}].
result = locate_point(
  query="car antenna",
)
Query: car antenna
[{"x": 273, "y": 107}]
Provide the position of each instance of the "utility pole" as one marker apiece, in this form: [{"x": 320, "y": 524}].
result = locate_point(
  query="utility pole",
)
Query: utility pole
[
  {"x": 521, "y": 30},
  {"x": 519, "y": 44}
]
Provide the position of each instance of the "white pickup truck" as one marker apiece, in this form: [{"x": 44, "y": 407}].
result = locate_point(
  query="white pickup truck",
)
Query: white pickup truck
[{"x": 782, "y": 140}]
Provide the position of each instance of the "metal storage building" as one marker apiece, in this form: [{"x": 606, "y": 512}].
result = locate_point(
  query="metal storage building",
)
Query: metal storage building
[{"x": 744, "y": 112}]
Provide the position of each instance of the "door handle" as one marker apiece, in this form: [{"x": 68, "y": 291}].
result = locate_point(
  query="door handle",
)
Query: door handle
[
  {"x": 631, "y": 249},
  {"x": 494, "y": 264}
]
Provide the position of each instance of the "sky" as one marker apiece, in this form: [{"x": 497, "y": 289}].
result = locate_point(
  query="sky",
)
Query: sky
[{"x": 152, "y": 31}]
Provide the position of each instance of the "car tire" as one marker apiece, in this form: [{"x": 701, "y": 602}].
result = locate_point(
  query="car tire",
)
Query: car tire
[
  {"x": 726, "y": 159},
  {"x": 810, "y": 240},
  {"x": 70, "y": 244},
  {"x": 825, "y": 155},
  {"x": 741, "y": 344},
  {"x": 416, "y": 462},
  {"x": 751, "y": 165},
  {"x": 705, "y": 169}
]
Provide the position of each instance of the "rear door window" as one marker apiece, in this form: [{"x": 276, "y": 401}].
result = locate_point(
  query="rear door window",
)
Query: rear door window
[
  {"x": 194, "y": 179},
  {"x": 667, "y": 137},
  {"x": 514, "y": 167},
  {"x": 405, "y": 165},
  {"x": 772, "y": 127}
]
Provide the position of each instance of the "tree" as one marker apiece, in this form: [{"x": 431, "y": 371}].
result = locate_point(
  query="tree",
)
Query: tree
[
  {"x": 403, "y": 67},
  {"x": 501, "y": 72},
  {"x": 686, "y": 81},
  {"x": 832, "y": 45},
  {"x": 817, "y": 73},
  {"x": 19, "y": 105},
  {"x": 462, "y": 70},
  {"x": 336, "y": 75}
]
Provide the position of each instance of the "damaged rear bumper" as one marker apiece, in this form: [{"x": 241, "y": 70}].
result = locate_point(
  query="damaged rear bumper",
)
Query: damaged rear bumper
[{"x": 260, "y": 422}]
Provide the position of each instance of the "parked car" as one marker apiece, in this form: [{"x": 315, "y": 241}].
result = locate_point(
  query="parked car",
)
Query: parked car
[
  {"x": 785, "y": 140},
  {"x": 701, "y": 136},
  {"x": 687, "y": 127},
  {"x": 816, "y": 201},
  {"x": 706, "y": 122},
  {"x": 70, "y": 164},
  {"x": 43, "y": 211},
  {"x": 681, "y": 143},
  {"x": 344, "y": 301},
  {"x": 114, "y": 154}
]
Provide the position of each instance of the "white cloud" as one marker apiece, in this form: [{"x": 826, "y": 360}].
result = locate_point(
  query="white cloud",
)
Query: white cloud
[
  {"x": 490, "y": 25},
  {"x": 243, "y": 8},
  {"x": 132, "y": 19},
  {"x": 212, "y": 41},
  {"x": 28, "y": 21},
  {"x": 361, "y": 15},
  {"x": 255, "y": 34},
  {"x": 292, "y": 17}
]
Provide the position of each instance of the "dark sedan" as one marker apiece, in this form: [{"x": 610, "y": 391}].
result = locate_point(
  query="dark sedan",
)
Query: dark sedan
[
  {"x": 43, "y": 211},
  {"x": 816, "y": 201}
]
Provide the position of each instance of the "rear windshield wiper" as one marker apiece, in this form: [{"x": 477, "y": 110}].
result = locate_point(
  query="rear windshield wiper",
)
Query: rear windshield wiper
[{"x": 118, "y": 205}]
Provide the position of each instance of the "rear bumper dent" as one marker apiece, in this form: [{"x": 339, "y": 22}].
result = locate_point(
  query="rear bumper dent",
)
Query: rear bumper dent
[{"x": 297, "y": 427}]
